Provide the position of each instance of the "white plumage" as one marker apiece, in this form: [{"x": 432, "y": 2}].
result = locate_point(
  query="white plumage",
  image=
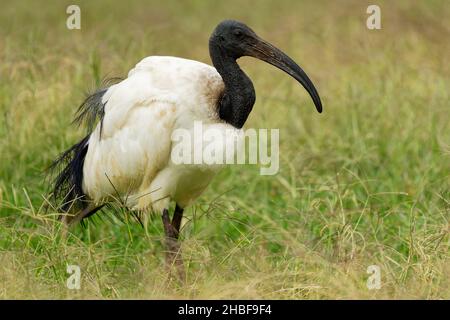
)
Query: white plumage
[
  {"x": 128, "y": 156},
  {"x": 131, "y": 158}
]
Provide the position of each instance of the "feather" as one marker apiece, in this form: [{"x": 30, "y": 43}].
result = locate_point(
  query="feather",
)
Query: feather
[
  {"x": 67, "y": 186},
  {"x": 67, "y": 192},
  {"x": 93, "y": 107}
]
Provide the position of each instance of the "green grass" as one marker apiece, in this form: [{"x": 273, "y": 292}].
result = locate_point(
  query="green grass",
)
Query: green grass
[{"x": 367, "y": 182}]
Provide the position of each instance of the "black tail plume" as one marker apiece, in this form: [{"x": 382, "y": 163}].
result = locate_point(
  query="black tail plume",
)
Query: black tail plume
[
  {"x": 68, "y": 194},
  {"x": 93, "y": 107},
  {"x": 67, "y": 187}
]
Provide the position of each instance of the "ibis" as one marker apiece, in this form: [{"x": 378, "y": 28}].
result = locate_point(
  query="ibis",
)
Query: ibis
[{"x": 126, "y": 154}]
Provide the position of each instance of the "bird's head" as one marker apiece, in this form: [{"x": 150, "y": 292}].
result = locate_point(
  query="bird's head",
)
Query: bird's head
[{"x": 238, "y": 40}]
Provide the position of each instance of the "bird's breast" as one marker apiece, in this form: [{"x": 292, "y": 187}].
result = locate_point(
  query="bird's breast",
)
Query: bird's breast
[{"x": 198, "y": 153}]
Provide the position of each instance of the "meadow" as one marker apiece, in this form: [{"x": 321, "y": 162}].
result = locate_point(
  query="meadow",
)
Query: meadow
[{"x": 364, "y": 183}]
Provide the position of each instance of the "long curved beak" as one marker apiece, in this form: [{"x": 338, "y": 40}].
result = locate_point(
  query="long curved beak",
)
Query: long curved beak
[{"x": 265, "y": 51}]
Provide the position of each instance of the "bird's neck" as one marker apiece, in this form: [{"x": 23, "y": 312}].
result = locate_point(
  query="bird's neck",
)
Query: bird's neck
[{"x": 238, "y": 97}]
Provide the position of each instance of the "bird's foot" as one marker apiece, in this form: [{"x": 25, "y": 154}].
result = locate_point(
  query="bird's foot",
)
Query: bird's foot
[{"x": 174, "y": 259}]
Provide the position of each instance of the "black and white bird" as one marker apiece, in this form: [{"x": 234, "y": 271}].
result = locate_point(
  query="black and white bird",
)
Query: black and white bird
[{"x": 127, "y": 154}]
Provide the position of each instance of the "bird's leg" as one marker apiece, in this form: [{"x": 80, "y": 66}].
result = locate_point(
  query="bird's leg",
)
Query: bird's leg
[
  {"x": 71, "y": 219},
  {"x": 176, "y": 220},
  {"x": 67, "y": 220},
  {"x": 176, "y": 224},
  {"x": 172, "y": 232}
]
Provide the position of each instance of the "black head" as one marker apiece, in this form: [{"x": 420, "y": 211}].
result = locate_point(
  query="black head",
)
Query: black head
[
  {"x": 234, "y": 37},
  {"x": 237, "y": 40}
]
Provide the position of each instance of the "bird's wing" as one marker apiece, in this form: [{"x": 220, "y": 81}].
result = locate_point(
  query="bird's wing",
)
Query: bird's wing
[
  {"x": 191, "y": 85},
  {"x": 133, "y": 141}
]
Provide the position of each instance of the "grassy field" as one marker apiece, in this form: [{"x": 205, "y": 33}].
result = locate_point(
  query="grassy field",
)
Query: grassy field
[{"x": 365, "y": 183}]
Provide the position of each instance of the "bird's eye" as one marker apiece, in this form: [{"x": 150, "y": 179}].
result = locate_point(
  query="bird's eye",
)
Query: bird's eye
[{"x": 238, "y": 33}]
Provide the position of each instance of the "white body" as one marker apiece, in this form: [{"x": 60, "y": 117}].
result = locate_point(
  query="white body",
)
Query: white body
[{"x": 132, "y": 158}]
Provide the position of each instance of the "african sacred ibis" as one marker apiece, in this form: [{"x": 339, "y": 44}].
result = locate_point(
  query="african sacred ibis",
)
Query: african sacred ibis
[{"x": 127, "y": 154}]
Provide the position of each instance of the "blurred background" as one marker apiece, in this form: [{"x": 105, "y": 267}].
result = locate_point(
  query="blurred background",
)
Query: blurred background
[{"x": 364, "y": 183}]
